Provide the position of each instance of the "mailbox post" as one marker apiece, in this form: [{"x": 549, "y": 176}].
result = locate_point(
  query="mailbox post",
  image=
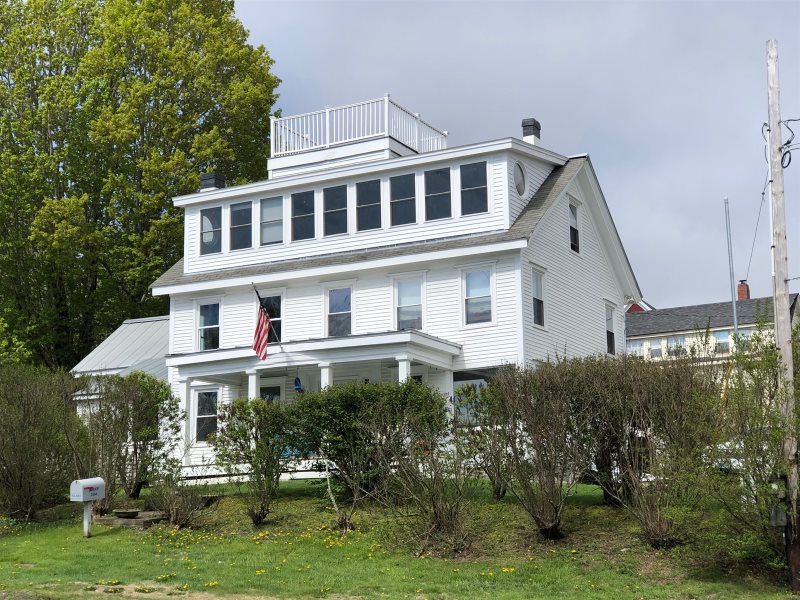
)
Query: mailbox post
[{"x": 87, "y": 491}]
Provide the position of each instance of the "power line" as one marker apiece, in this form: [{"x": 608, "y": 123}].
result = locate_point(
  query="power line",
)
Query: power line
[{"x": 758, "y": 219}]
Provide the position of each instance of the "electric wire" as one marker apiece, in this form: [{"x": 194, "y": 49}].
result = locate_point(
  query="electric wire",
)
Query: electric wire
[{"x": 758, "y": 220}]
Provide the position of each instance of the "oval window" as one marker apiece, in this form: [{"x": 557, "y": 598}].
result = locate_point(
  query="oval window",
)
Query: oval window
[{"x": 519, "y": 178}]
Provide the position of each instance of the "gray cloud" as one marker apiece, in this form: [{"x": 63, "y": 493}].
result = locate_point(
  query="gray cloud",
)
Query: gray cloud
[{"x": 667, "y": 98}]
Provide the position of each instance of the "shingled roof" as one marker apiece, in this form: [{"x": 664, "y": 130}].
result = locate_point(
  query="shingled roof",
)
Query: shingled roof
[
  {"x": 701, "y": 316},
  {"x": 547, "y": 194}
]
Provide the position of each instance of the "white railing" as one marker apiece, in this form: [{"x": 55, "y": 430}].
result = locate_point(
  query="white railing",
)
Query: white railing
[{"x": 355, "y": 122}]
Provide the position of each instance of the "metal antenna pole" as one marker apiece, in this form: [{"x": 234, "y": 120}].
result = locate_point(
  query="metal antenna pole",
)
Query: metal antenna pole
[{"x": 730, "y": 266}]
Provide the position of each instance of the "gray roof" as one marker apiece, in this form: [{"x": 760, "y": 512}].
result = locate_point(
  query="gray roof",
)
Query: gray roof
[
  {"x": 701, "y": 316},
  {"x": 550, "y": 190},
  {"x": 136, "y": 345}
]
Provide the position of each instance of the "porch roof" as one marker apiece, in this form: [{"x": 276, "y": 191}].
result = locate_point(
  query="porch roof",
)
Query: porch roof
[{"x": 393, "y": 345}]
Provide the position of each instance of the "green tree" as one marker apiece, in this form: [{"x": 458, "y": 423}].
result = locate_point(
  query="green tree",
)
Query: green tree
[{"x": 108, "y": 110}]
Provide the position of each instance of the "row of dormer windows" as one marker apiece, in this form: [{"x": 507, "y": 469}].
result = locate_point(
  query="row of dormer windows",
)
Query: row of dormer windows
[{"x": 368, "y": 206}]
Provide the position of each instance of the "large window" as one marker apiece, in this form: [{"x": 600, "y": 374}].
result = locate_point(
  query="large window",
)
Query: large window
[
  {"x": 208, "y": 327},
  {"x": 270, "y": 393},
  {"x": 302, "y": 216},
  {"x": 655, "y": 348},
  {"x": 611, "y": 346},
  {"x": 437, "y": 194},
  {"x": 574, "y": 234},
  {"x": 241, "y": 225},
  {"x": 368, "y": 205},
  {"x": 340, "y": 311},
  {"x": 474, "y": 197},
  {"x": 635, "y": 347},
  {"x": 403, "y": 203},
  {"x": 676, "y": 345},
  {"x": 334, "y": 210},
  {"x": 271, "y": 221},
  {"x": 409, "y": 303},
  {"x": 272, "y": 304},
  {"x": 211, "y": 230},
  {"x": 206, "y": 420},
  {"x": 478, "y": 296},
  {"x": 538, "y": 298}
]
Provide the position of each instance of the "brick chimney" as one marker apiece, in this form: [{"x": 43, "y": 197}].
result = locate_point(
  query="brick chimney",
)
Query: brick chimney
[{"x": 743, "y": 290}]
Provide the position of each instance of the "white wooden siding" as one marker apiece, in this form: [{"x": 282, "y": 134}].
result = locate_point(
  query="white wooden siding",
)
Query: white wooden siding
[
  {"x": 577, "y": 288},
  {"x": 495, "y": 219},
  {"x": 183, "y": 322}
]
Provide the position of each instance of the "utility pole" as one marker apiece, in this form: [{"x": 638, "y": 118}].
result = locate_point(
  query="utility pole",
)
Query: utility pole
[{"x": 783, "y": 326}]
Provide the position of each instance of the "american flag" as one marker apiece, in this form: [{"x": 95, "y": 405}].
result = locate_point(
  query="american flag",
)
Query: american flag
[{"x": 261, "y": 337}]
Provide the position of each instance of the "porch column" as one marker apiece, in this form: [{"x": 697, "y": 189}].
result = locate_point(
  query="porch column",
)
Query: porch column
[
  {"x": 252, "y": 383},
  {"x": 403, "y": 367},
  {"x": 325, "y": 375},
  {"x": 185, "y": 384}
]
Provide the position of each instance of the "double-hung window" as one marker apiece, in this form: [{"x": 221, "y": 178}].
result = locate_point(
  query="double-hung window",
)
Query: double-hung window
[
  {"x": 474, "y": 197},
  {"x": 206, "y": 419},
  {"x": 211, "y": 230},
  {"x": 403, "y": 204},
  {"x": 478, "y": 296},
  {"x": 272, "y": 304},
  {"x": 340, "y": 311},
  {"x": 302, "y": 216},
  {"x": 676, "y": 345},
  {"x": 635, "y": 347},
  {"x": 368, "y": 205},
  {"x": 208, "y": 326},
  {"x": 272, "y": 220},
  {"x": 611, "y": 346},
  {"x": 409, "y": 303},
  {"x": 437, "y": 194},
  {"x": 574, "y": 234},
  {"x": 334, "y": 210},
  {"x": 241, "y": 225},
  {"x": 655, "y": 348},
  {"x": 538, "y": 298}
]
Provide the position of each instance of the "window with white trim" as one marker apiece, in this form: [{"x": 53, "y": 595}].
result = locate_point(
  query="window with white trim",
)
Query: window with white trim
[
  {"x": 611, "y": 345},
  {"x": 474, "y": 195},
  {"x": 722, "y": 342},
  {"x": 408, "y": 294},
  {"x": 676, "y": 345},
  {"x": 340, "y": 312},
  {"x": 211, "y": 230},
  {"x": 538, "y": 297},
  {"x": 368, "y": 205},
  {"x": 655, "y": 348},
  {"x": 208, "y": 326},
  {"x": 272, "y": 220},
  {"x": 478, "y": 296},
  {"x": 302, "y": 216},
  {"x": 635, "y": 347},
  {"x": 206, "y": 416},
  {"x": 574, "y": 234},
  {"x": 241, "y": 225},
  {"x": 334, "y": 210},
  {"x": 403, "y": 199},
  {"x": 437, "y": 194},
  {"x": 272, "y": 304},
  {"x": 270, "y": 393}
]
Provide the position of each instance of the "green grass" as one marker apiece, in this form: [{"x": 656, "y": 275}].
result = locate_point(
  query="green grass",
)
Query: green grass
[{"x": 296, "y": 555}]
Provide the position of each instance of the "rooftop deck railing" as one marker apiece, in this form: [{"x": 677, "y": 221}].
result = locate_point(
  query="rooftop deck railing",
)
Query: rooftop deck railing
[{"x": 352, "y": 123}]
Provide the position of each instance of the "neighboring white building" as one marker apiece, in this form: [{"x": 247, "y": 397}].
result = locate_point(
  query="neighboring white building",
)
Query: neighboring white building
[{"x": 382, "y": 254}]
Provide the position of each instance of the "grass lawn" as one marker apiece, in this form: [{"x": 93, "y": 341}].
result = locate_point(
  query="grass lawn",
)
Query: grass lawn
[{"x": 296, "y": 555}]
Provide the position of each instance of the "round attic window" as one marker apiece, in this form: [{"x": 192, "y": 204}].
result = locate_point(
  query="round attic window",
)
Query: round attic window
[{"x": 519, "y": 178}]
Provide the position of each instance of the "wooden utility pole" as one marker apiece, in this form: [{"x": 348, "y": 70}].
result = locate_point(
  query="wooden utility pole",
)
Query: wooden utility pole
[{"x": 783, "y": 326}]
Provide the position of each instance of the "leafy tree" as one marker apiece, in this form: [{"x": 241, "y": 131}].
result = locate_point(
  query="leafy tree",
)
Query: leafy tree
[{"x": 107, "y": 110}]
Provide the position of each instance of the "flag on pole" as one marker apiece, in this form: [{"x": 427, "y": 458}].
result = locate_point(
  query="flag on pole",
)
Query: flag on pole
[{"x": 263, "y": 325}]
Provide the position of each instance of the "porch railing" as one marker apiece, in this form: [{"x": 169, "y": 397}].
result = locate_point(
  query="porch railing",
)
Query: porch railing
[{"x": 382, "y": 117}]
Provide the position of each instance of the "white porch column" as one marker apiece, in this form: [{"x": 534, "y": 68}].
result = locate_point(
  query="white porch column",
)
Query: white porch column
[
  {"x": 403, "y": 367},
  {"x": 325, "y": 375},
  {"x": 449, "y": 392},
  {"x": 186, "y": 393},
  {"x": 252, "y": 384}
]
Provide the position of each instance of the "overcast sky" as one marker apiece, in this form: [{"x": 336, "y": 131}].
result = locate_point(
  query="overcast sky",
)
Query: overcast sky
[{"x": 667, "y": 98}]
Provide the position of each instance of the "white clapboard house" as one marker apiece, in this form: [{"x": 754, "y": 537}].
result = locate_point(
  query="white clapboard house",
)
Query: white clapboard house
[{"x": 382, "y": 254}]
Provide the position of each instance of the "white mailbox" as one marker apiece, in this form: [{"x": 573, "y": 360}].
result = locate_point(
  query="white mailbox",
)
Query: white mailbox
[{"x": 87, "y": 490}]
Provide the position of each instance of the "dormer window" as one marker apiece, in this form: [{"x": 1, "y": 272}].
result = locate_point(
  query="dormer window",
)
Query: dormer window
[
  {"x": 437, "y": 194},
  {"x": 302, "y": 216},
  {"x": 403, "y": 199},
  {"x": 368, "y": 205},
  {"x": 241, "y": 225},
  {"x": 474, "y": 198},
  {"x": 334, "y": 200},
  {"x": 211, "y": 230}
]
